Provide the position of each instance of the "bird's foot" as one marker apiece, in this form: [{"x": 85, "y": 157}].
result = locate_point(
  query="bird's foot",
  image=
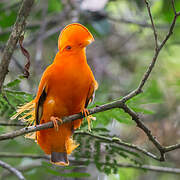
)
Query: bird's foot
[
  {"x": 55, "y": 122},
  {"x": 85, "y": 112}
]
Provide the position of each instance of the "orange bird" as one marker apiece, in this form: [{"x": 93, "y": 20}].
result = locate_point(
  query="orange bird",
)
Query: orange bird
[{"x": 67, "y": 87}]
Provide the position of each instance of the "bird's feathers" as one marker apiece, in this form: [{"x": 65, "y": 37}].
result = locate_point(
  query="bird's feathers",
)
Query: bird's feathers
[
  {"x": 39, "y": 106},
  {"x": 67, "y": 87}
]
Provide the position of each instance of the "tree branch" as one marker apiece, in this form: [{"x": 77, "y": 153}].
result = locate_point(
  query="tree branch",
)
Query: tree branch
[
  {"x": 150, "y": 168},
  {"x": 18, "y": 28},
  {"x": 118, "y": 142},
  {"x": 105, "y": 107},
  {"x": 142, "y": 126},
  {"x": 23, "y": 168},
  {"x": 12, "y": 170},
  {"x": 171, "y": 148},
  {"x": 79, "y": 162},
  {"x": 12, "y": 124},
  {"x": 154, "y": 59}
]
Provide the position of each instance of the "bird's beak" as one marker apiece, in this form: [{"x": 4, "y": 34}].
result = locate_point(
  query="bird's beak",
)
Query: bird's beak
[{"x": 89, "y": 41}]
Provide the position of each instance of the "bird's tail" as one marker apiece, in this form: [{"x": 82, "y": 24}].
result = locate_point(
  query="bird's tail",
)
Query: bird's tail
[
  {"x": 26, "y": 113},
  {"x": 60, "y": 158}
]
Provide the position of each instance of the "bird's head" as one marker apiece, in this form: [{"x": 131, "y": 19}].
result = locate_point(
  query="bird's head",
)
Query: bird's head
[{"x": 73, "y": 37}]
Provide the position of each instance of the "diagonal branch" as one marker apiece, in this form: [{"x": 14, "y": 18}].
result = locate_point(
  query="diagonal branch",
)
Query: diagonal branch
[
  {"x": 142, "y": 126},
  {"x": 18, "y": 28},
  {"x": 12, "y": 170},
  {"x": 154, "y": 59},
  {"x": 146, "y": 76},
  {"x": 105, "y": 107}
]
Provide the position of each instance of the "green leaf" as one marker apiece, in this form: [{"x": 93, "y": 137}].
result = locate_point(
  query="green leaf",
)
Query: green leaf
[
  {"x": 167, "y": 10},
  {"x": 121, "y": 116},
  {"x": 54, "y": 6},
  {"x": 106, "y": 117},
  {"x": 142, "y": 110},
  {"x": 7, "y": 19},
  {"x": 18, "y": 92},
  {"x": 52, "y": 171},
  {"x": 12, "y": 83},
  {"x": 4, "y": 37}
]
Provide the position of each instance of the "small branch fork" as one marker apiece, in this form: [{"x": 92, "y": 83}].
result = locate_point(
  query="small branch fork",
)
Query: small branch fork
[{"x": 116, "y": 104}]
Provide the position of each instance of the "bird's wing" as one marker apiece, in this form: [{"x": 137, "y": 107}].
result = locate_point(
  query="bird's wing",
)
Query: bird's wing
[
  {"x": 91, "y": 93},
  {"x": 39, "y": 106},
  {"x": 41, "y": 96}
]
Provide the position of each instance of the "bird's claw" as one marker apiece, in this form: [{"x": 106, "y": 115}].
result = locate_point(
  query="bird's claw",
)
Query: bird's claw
[
  {"x": 85, "y": 112},
  {"x": 55, "y": 122}
]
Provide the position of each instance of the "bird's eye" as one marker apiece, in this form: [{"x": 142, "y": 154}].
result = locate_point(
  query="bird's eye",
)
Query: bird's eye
[{"x": 68, "y": 47}]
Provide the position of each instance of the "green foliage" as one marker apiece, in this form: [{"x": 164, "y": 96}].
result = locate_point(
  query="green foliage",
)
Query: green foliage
[
  {"x": 54, "y": 6},
  {"x": 106, "y": 164},
  {"x": 11, "y": 98},
  {"x": 115, "y": 114},
  {"x": 7, "y": 19},
  {"x": 152, "y": 95},
  {"x": 104, "y": 155},
  {"x": 167, "y": 10}
]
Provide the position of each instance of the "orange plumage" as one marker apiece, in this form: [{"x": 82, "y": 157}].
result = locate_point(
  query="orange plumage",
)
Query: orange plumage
[{"x": 66, "y": 88}]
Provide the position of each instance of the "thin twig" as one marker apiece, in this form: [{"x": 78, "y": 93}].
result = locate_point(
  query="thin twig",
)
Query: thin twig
[
  {"x": 153, "y": 25},
  {"x": 173, "y": 6},
  {"x": 152, "y": 64},
  {"x": 12, "y": 170},
  {"x": 171, "y": 148}
]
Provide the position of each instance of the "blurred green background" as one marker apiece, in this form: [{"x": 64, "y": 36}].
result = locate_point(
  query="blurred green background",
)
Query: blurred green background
[{"x": 123, "y": 49}]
